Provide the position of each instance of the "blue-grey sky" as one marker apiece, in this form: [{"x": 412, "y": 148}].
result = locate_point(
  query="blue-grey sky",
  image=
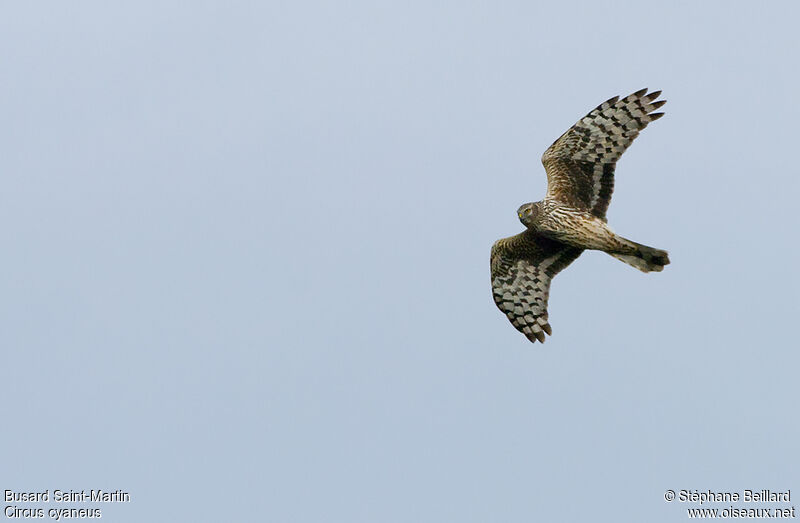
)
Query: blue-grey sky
[{"x": 245, "y": 276}]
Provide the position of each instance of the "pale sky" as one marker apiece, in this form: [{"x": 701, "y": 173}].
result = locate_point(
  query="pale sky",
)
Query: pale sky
[{"x": 245, "y": 260}]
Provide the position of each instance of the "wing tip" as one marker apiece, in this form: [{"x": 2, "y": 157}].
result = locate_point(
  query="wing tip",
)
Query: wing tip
[
  {"x": 538, "y": 335},
  {"x": 652, "y": 96}
]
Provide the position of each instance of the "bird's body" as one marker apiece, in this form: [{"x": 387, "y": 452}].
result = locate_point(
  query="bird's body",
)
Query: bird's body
[
  {"x": 572, "y": 216},
  {"x": 573, "y": 226}
]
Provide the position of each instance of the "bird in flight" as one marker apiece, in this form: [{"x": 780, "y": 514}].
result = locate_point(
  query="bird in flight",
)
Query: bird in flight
[{"x": 572, "y": 216}]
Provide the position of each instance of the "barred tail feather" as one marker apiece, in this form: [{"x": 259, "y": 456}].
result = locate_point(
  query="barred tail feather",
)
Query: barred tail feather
[{"x": 646, "y": 259}]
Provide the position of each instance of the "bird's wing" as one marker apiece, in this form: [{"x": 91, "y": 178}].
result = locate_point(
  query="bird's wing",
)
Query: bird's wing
[
  {"x": 580, "y": 164},
  {"x": 522, "y": 267}
]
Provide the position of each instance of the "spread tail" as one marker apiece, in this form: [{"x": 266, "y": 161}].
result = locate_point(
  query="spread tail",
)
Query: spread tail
[{"x": 646, "y": 259}]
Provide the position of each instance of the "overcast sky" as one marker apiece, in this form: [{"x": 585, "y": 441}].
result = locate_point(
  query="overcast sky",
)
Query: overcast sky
[{"x": 245, "y": 260}]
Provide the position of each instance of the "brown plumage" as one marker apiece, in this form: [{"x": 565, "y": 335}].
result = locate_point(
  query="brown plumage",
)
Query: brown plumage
[{"x": 572, "y": 216}]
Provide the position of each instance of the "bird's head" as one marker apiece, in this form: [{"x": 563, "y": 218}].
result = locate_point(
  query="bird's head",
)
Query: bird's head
[{"x": 528, "y": 213}]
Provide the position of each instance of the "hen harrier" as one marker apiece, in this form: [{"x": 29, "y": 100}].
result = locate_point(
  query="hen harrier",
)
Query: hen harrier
[{"x": 572, "y": 216}]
